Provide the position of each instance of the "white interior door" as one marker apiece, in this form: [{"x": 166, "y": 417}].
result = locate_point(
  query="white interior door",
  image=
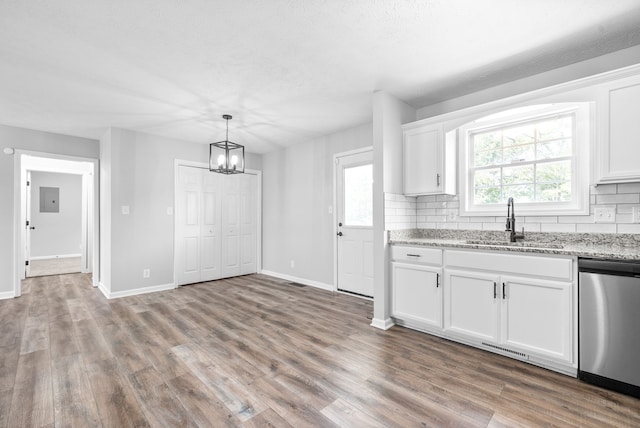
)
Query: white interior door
[
  {"x": 28, "y": 228},
  {"x": 197, "y": 226},
  {"x": 231, "y": 226},
  {"x": 188, "y": 225},
  {"x": 210, "y": 226},
  {"x": 354, "y": 208},
  {"x": 216, "y": 225}
]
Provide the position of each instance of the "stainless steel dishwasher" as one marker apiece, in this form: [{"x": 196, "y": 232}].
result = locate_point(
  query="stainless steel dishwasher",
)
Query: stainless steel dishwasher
[{"x": 609, "y": 324}]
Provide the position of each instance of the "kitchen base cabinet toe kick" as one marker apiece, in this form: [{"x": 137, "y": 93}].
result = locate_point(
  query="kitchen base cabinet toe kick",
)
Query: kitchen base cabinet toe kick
[{"x": 520, "y": 306}]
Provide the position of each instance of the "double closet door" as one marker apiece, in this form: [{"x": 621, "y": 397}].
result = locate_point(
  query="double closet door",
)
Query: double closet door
[{"x": 216, "y": 225}]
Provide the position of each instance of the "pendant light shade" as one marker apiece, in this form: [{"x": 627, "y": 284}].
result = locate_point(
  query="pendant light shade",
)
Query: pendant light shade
[{"x": 226, "y": 157}]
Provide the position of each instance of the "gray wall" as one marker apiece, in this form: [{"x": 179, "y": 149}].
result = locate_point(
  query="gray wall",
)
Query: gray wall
[
  {"x": 137, "y": 170},
  {"x": 297, "y": 193},
  {"x": 38, "y": 141},
  {"x": 590, "y": 67},
  {"x": 58, "y": 233}
]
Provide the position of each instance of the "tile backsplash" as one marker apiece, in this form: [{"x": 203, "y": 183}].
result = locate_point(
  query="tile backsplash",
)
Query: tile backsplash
[
  {"x": 400, "y": 212},
  {"x": 442, "y": 212}
]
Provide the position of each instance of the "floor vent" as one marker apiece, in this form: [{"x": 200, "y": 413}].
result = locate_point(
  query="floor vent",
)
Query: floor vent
[
  {"x": 505, "y": 350},
  {"x": 296, "y": 284}
]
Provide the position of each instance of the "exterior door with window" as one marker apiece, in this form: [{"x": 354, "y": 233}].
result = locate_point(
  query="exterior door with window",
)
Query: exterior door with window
[{"x": 354, "y": 198}]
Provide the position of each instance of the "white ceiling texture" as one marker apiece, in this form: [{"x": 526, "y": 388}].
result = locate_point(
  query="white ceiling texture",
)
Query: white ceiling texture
[{"x": 287, "y": 70}]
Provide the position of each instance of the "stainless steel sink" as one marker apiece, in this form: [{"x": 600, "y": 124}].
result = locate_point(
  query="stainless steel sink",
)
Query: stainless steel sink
[{"x": 528, "y": 244}]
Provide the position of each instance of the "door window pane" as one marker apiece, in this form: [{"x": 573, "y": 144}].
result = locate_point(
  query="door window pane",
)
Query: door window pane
[{"x": 358, "y": 196}]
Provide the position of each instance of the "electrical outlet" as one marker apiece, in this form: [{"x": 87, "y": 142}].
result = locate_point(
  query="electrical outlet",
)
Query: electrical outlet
[
  {"x": 293, "y": 264},
  {"x": 604, "y": 214},
  {"x": 146, "y": 273},
  {"x": 635, "y": 212}
]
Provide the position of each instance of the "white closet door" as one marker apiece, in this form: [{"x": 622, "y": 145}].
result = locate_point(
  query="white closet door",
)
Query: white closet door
[
  {"x": 231, "y": 226},
  {"x": 210, "y": 226},
  {"x": 248, "y": 224},
  {"x": 216, "y": 225},
  {"x": 188, "y": 227}
]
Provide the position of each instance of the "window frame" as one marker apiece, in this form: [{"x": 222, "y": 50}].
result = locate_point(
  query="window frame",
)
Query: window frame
[{"x": 583, "y": 132}]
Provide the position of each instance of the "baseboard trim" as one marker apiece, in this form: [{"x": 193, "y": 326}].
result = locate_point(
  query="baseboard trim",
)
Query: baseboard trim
[
  {"x": 60, "y": 256},
  {"x": 135, "y": 291},
  {"x": 312, "y": 283},
  {"x": 7, "y": 295},
  {"x": 382, "y": 324}
]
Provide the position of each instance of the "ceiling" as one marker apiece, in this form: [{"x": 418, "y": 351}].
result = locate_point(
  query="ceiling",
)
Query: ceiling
[{"x": 287, "y": 70}]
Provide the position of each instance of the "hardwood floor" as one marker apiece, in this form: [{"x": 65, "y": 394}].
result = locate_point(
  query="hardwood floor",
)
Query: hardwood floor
[
  {"x": 55, "y": 266},
  {"x": 255, "y": 351}
]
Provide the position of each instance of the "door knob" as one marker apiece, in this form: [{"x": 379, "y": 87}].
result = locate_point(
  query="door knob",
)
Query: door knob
[
  {"x": 32, "y": 227},
  {"x": 339, "y": 233}
]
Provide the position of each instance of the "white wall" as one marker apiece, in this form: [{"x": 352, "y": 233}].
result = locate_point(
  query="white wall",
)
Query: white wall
[
  {"x": 297, "y": 194},
  {"x": 60, "y": 233},
  {"x": 137, "y": 171},
  {"x": 31, "y": 140}
]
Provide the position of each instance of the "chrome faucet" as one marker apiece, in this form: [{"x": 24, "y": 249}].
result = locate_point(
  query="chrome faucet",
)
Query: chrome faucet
[{"x": 511, "y": 222}]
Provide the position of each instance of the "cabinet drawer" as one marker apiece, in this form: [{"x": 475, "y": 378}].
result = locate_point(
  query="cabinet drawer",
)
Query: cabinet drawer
[
  {"x": 416, "y": 255},
  {"x": 547, "y": 267}
]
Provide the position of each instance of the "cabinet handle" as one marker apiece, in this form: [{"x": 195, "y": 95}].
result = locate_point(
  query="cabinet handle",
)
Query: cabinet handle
[
  {"x": 495, "y": 290},
  {"x": 504, "y": 295},
  {"x": 437, "y": 280},
  {"x": 438, "y": 180},
  {"x": 414, "y": 255}
]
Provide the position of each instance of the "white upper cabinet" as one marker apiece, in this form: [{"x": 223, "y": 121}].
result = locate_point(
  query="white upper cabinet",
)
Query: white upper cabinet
[
  {"x": 618, "y": 148},
  {"x": 428, "y": 160}
]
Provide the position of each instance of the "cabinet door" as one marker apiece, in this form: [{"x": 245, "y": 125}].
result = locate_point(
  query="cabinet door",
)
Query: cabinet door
[
  {"x": 537, "y": 317},
  {"x": 423, "y": 160},
  {"x": 472, "y": 305},
  {"x": 416, "y": 294},
  {"x": 619, "y": 131}
]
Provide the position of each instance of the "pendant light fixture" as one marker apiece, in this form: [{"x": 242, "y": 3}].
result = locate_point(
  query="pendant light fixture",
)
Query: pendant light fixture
[{"x": 226, "y": 157}]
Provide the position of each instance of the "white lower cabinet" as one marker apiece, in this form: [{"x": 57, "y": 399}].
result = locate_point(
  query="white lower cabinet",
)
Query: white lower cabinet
[
  {"x": 517, "y": 314},
  {"x": 470, "y": 307},
  {"x": 537, "y": 317},
  {"x": 416, "y": 294},
  {"x": 521, "y": 305},
  {"x": 416, "y": 287}
]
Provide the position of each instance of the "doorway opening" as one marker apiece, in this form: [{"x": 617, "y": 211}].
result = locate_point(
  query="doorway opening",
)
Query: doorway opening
[
  {"x": 53, "y": 243},
  {"x": 56, "y": 216}
]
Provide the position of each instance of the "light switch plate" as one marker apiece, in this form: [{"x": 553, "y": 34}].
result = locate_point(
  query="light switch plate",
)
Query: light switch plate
[
  {"x": 604, "y": 214},
  {"x": 125, "y": 209}
]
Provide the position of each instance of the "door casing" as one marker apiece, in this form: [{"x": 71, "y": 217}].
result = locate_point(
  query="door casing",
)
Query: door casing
[{"x": 90, "y": 235}]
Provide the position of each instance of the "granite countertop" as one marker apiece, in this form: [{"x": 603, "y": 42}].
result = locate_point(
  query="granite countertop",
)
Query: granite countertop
[{"x": 594, "y": 245}]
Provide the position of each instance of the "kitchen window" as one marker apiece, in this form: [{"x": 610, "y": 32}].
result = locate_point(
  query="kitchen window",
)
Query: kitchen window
[{"x": 537, "y": 154}]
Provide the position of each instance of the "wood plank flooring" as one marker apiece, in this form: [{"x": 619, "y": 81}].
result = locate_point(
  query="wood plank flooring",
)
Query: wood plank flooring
[
  {"x": 55, "y": 266},
  {"x": 255, "y": 351}
]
